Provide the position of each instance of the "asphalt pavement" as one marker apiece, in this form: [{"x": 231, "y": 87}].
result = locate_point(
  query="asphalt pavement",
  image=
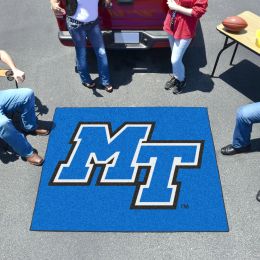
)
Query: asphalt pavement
[{"x": 28, "y": 31}]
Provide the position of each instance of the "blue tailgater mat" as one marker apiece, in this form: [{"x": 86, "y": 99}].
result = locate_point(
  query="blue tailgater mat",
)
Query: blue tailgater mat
[{"x": 138, "y": 169}]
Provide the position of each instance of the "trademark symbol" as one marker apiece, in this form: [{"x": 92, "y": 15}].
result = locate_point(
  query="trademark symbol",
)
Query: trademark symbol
[{"x": 184, "y": 206}]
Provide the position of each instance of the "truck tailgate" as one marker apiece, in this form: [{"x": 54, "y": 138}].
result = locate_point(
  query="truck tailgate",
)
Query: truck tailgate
[
  {"x": 127, "y": 24},
  {"x": 134, "y": 14}
]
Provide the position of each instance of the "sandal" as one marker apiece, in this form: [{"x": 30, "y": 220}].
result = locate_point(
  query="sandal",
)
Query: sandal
[
  {"x": 108, "y": 88},
  {"x": 89, "y": 85}
]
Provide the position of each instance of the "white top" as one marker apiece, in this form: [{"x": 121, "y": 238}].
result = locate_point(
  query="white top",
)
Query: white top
[{"x": 87, "y": 11}]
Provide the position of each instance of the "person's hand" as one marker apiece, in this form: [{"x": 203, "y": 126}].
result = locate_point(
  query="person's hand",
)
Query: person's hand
[
  {"x": 18, "y": 75},
  {"x": 172, "y": 5},
  {"x": 58, "y": 11},
  {"x": 108, "y": 3}
]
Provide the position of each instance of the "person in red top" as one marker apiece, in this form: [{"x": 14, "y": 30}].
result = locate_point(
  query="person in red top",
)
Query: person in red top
[{"x": 180, "y": 24}]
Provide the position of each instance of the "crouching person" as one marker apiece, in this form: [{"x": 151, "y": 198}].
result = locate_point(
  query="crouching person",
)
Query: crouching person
[{"x": 20, "y": 102}]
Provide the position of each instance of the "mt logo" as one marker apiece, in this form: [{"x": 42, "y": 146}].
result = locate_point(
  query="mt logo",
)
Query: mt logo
[{"x": 128, "y": 156}]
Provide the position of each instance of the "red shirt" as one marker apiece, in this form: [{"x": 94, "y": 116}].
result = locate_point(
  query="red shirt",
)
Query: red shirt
[{"x": 185, "y": 26}]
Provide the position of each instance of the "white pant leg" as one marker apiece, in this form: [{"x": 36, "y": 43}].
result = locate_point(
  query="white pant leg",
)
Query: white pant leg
[{"x": 179, "y": 47}]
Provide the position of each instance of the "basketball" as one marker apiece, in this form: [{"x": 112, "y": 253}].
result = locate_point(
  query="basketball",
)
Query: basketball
[{"x": 234, "y": 23}]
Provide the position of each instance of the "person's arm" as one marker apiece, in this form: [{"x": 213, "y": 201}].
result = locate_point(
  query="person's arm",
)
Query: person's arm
[
  {"x": 180, "y": 9},
  {"x": 198, "y": 9},
  {"x": 18, "y": 75},
  {"x": 55, "y": 6}
]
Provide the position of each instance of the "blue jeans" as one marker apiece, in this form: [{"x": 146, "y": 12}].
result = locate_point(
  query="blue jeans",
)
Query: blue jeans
[
  {"x": 246, "y": 116},
  {"x": 179, "y": 47},
  {"x": 80, "y": 33},
  {"x": 18, "y": 101}
]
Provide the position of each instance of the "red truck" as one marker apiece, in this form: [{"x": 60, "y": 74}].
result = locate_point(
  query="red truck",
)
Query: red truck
[{"x": 128, "y": 24}]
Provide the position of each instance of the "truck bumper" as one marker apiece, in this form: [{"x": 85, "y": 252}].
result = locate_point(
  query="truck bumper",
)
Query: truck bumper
[{"x": 126, "y": 39}]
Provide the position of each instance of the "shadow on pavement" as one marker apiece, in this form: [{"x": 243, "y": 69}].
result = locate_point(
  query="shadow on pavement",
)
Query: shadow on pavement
[
  {"x": 194, "y": 59},
  {"x": 46, "y": 124},
  {"x": 40, "y": 109},
  {"x": 255, "y": 145},
  {"x": 6, "y": 154},
  {"x": 125, "y": 63},
  {"x": 244, "y": 77}
]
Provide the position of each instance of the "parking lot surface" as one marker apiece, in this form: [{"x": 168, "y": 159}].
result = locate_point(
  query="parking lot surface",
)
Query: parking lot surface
[{"x": 28, "y": 31}]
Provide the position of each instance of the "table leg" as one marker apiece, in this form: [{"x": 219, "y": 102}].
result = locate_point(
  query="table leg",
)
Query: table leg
[
  {"x": 226, "y": 45},
  {"x": 234, "y": 53}
]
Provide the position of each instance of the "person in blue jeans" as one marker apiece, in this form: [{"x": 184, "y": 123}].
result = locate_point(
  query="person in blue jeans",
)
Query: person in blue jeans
[
  {"x": 246, "y": 116},
  {"x": 20, "y": 102},
  {"x": 83, "y": 23}
]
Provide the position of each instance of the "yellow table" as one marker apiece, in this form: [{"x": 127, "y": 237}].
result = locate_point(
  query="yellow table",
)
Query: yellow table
[{"x": 246, "y": 37}]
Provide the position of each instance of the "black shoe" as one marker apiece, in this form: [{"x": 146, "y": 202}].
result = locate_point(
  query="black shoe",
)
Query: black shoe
[
  {"x": 108, "y": 88},
  {"x": 230, "y": 150},
  {"x": 39, "y": 131},
  {"x": 178, "y": 86},
  {"x": 258, "y": 196},
  {"x": 91, "y": 85},
  {"x": 170, "y": 83}
]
